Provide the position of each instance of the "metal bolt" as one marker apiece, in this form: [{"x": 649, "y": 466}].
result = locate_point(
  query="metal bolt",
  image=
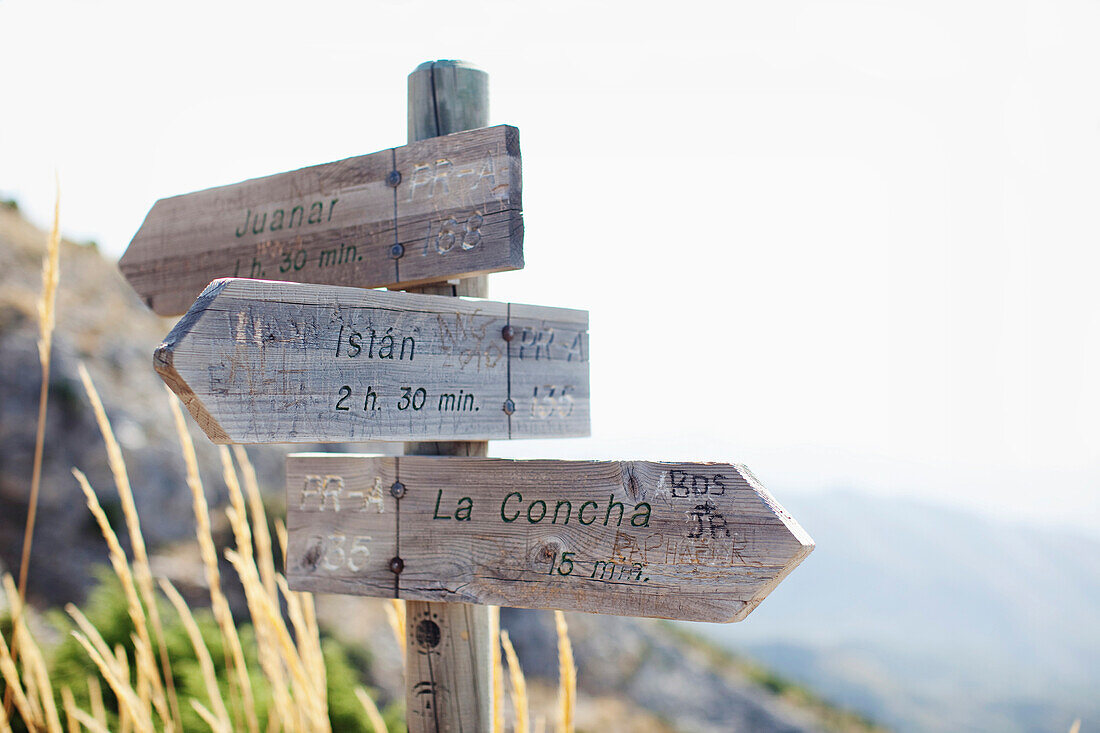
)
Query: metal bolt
[
  {"x": 397, "y": 565},
  {"x": 393, "y": 179},
  {"x": 398, "y": 489},
  {"x": 397, "y": 251},
  {"x": 509, "y": 406},
  {"x": 508, "y": 333}
]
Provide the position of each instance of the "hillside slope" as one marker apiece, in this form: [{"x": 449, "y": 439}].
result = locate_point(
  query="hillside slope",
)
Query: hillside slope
[{"x": 933, "y": 619}]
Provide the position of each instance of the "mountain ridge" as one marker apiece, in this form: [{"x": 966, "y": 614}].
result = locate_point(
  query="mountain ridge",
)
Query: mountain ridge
[{"x": 912, "y": 606}]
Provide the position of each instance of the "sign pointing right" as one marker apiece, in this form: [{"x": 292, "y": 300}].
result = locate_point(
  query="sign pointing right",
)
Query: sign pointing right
[{"x": 689, "y": 541}]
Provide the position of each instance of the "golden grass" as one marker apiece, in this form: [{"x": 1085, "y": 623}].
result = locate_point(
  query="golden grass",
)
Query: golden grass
[
  {"x": 567, "y": 677},
  {"x": 141, "y": 572},
  {"x": 290, "y": 657},
  {"x": 47, "y": 306},
  {"x": 220, "y": 715},
  {"x": 219, "y": 606},
  {"x": 395, "y": 614},
  {"x": 519, "y": 686},
  {"x": 498, "y": 670},
  {"x": 373, "y": 714},
  {"x": 293, "y": 664}
]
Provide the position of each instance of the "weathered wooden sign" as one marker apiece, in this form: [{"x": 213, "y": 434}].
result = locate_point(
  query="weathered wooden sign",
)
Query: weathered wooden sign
[
  {"x": 275, "y": 362},
  {"x": 436, "y": 209},
  {"x": 693, "y": 541}
]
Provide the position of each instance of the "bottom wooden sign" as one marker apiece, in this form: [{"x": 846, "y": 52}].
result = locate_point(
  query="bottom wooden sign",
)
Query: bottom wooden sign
[{"x": 691, "y": 541}]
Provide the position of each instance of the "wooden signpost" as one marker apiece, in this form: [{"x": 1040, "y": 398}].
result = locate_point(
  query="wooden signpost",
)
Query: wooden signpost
[
  {"x": 429, "y": 211},
  {"x": 443, "y": 527},
  {"x": 689, "y": 541},
  {"x": 272, "y": 362}
]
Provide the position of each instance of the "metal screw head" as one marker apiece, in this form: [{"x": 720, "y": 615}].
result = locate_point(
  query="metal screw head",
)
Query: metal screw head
[
  {"x": 398, "y": 489},
  {"x": 397, "y": 251},
  {"x": 393, "y": 179},
  {"x": 397, "y": 565},
  {"x": 508, "y": 333},
  {"x": 509, "y": 406}
]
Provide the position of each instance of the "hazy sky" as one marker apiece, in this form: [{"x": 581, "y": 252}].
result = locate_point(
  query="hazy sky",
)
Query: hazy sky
[{"x": 851, "y": 244}]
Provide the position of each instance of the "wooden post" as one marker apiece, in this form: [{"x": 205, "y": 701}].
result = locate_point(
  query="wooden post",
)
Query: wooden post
[{"x": 448, "y": 676}]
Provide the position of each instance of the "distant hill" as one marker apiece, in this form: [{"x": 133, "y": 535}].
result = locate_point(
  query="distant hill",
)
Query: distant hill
[{"x": 931, "y": 619}]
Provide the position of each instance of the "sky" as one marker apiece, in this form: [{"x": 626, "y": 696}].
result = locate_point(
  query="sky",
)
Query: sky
[{"x": 849, "y": 244}]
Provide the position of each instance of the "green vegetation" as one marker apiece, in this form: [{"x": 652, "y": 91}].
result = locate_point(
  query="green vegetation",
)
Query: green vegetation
[{"x": 107, "y": 609}]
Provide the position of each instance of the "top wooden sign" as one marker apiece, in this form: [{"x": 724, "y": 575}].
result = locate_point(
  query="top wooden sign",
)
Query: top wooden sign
[{"x": 440, "y": 208}]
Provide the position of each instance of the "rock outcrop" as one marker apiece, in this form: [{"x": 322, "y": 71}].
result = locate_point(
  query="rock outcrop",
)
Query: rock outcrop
[{"x": 101, "y": 323}]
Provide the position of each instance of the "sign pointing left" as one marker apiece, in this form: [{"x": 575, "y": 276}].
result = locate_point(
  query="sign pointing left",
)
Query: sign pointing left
[
  {"x": 434, "y": 210},
  {"x": 274, "y": 362}
]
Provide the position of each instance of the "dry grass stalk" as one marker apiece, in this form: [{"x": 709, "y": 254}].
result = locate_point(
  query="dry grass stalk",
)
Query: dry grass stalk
[
  {"x": 206, "y": 665},
  {"x": 373, "y": 713},
  {"x": 32, "y": 692},
  {"x": 14, "y": 683},
  {"x": 519, "y": 686},
  {"x": 30, "y": 682},
  {"x": 41, "y": 676},
  {"x": 144, "y": 668},
  {"x": 1076, "y": 727},
  {"x": 223, "y": 616},
  {"x": 123, "y": 571},
  {"x": 498, "y": 670},
  {"x": 119, "y": 681},
  {"x": 95, "y": 694},
  {"x": 141, "y": 571},
  {"x": 312, "y": 710},
  {"x": 89, "y": 722},
  {"x": 47, "y": 306},
  {"x": 299, "y": 705},
  {"x": 567, "y": 677},
  {"x": 280, "y": 534},
  {"x": 262, "y": 537},
  {"x": 309, "y": 647},
  {"x": 209, "y": 717},
  {"x": 272, "y": 661},
  {"x": 91, "y": 633},
  {"x": 125, "y": 721},
  {"x": 312, "y": 629},
  {"x": 395, "y": 614},
  {"x": 5, "y": 724},
  {"x": 289, "y": 714},
  {"x": 68, "y": 702}
]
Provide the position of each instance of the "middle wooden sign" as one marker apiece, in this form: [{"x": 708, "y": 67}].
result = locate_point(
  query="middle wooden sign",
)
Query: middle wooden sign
[{"x": 257, "y": 361}]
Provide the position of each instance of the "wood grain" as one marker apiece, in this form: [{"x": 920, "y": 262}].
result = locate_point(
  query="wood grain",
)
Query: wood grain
[
  {"x": 448, "y": 667},
  {"x": 274, "y": 362},
  {"x": 448, "y": 676},
  {"x": 456, "y": 212},
  {"x": 690, "y": 541}
]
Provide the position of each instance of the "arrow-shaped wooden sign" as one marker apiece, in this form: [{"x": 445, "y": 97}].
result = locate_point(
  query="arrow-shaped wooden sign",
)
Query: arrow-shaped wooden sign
[
  {"x": 692, "y": 541},
  {"x": 433, "y": 210},
  {"x": 275, "y": 362}
]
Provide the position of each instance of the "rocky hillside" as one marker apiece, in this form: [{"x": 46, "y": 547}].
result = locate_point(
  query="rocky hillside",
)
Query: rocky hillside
[
  {"x": 634, "y": 674},
  {"x": 99, "y": 322}
]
